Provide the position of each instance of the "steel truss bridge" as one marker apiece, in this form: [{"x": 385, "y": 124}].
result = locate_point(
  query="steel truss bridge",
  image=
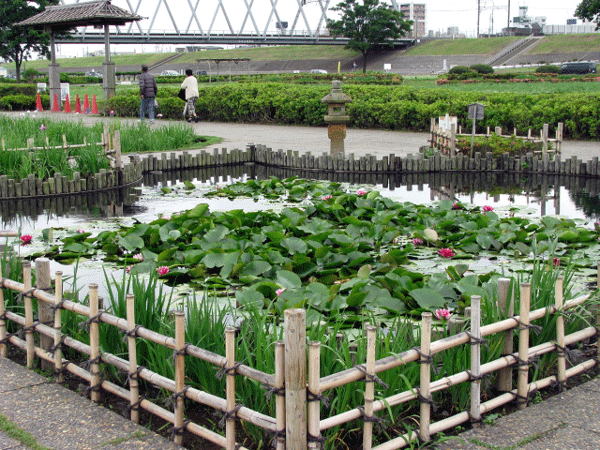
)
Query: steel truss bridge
[{"x": 222, "y": 22}]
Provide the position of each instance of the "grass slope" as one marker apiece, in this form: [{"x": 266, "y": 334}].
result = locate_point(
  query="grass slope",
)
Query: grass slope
[
  {"x": 567, "y": 43},
  {"x": 487, "y": 46},
  {"x": 96, "y": 61},
  {"x": 289, "y": 52}
]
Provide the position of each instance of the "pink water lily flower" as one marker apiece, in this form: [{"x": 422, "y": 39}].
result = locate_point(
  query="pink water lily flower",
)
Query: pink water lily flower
[
  {"x": 361, "y": 192},
  {"x": 138, "y": 256},
  {"x": 556, "y": 262},
  {"x": 162, "y": 270},
  {"x": 488, "y": 208},
  {"x": 26, "y": 239},
  {"x": 128, "y": 269},
  {"x": 446, "y": 252},
  {"x": 442, "y": 314},
  {"x": 417, "y": 241},
  {"x": 81, "y": 231},
  {"x": 280, "y": 291},
  {"x": 327, "y": 197}
]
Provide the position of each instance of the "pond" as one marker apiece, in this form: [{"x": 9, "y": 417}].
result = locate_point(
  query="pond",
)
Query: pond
[{"x": 538, "y": 195}]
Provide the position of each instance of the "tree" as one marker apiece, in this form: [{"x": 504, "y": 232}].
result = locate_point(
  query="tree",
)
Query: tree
[
  {"x": 17, "y": 43},
  {"x": 369, "y": 25},
  {"x": 589, "y": 10}
]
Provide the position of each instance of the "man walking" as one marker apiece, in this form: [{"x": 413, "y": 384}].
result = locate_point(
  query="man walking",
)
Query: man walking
[{"x": 148, "y": 92}]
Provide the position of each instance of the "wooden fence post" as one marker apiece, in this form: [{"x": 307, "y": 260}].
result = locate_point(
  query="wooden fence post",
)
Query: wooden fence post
[
  {"x": 545, "y": 139},
  {"x": 452, "y": 140},
  {"x": 424, "y": 390},
  {"x": 134, "y": 393},
  {"x": 523, "y": 373},
  {"x": 559, "y": 137},
  {"x": 230, "y": 388},
  {"x": 28, "y": 314},
  {"x": 3, "y": 334},
  {"x": 369, "y": 387},
  {"x": 314, "y": 394},
  {"x": 295, "y": 379},
  {"x": 279, "y": 395},
  {"x": 43, "y": 282},
  {"x": 561, "y": 362},
  {"x": 94, "y": 344},
  {"x": 179, "y": 377},
  {"x": 58, "y": 297},
  {"x": 506, "y": 305},
  {"x": 117, "y": 147},
  {"x": 476, "y": 360}
]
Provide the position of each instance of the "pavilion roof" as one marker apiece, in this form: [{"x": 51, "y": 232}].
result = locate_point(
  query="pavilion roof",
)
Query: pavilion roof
[{"x": 94, "y": 13}]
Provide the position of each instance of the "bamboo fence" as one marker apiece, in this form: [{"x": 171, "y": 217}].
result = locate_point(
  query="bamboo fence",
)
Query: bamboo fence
[
  {"x": 445, "y": 140},
  {"x": 297, "y": 384},
  {"x": 110, "y": 143}
]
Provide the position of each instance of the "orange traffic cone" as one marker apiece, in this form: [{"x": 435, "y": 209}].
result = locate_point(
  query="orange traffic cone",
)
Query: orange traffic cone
[
  {"x": 77, "y": 105},
  {"x": 38, "y": 103},
  {"x": 67, "y": 104},
  {"x": 94, "y": 105},
  {"x": 55, "y": 107},
  {"x": 86, "y": 104}
]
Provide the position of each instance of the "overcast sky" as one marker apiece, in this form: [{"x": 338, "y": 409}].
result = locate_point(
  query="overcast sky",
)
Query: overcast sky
[{"x": 463, "y": 13}]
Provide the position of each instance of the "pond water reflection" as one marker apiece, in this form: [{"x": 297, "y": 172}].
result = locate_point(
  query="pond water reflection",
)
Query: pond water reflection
[{"x": 574, "y": 197}]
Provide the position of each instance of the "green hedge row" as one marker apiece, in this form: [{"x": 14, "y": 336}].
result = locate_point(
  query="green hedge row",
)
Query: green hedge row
[{"x": 387, "y": 107}]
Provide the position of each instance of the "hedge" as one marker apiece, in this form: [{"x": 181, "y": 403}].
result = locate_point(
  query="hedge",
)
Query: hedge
[{"x": 386, "y": 107}]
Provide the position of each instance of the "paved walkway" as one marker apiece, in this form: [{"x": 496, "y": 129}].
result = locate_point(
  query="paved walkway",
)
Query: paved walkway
[
  {"x": 314, "y": 139},
  {"x": 62, "y": 420}
]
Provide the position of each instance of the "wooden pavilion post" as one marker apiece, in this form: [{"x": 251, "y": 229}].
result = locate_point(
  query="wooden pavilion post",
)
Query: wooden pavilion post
[{"x": 53, "y": 73}]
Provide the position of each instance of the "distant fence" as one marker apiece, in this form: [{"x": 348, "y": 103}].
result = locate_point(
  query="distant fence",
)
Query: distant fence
[
  {"x": 296, "y": 422},
  {"x": 60, "y": 185},
  {"x": 445, "y": 139}
]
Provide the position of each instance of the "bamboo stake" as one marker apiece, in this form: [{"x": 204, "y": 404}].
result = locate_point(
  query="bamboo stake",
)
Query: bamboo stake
[
  {"x": 295, "y": 379},
  {"x": 230, "y": 388},
  {"x": 134, "y": 393},
  {"x": 43, "y": 281},
  {"x": 523, "y": 372},
  {"x": 179, "y": 376},
  {"x": 3, "y": 346},
  {"x": 507, "y": 309},
  {"x": 64, "y": 139},
  {"x": 560, "y": 334},
  {"x": 314, "y": 392},
  {"x": 28, "y": 313},
  {"x": 476, "y": 360},
  {"x": 425, "y": 377},
  {"x": 280, "y": 396},
  {"x": 58, "y": 294},
  {"x": 370, "y": 387},
  {"x": 94, "y": 344}
]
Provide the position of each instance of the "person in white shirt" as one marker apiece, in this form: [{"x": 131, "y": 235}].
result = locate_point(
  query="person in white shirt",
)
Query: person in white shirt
[{"x": 190, "y": 84}]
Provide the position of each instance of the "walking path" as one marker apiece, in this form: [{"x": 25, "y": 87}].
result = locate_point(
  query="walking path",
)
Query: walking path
[
  {"x": 59, "y": 419},
  {"x": 314, "y": 139}
]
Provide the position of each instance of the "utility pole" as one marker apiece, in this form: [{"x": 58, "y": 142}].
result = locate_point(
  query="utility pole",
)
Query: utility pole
[
  {"x": 508, "y": 20},
  {"x": 478, "y": 14}
]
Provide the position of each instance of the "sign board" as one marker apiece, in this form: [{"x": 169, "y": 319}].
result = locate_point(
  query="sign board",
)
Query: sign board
[
  {"x": 446, "y": 122},
  {"x": 42, "y": 87},
  {"x": 476, "y": 111},
  {"x": 387, "y": 67},
  {"x": 64, "y": 91}
]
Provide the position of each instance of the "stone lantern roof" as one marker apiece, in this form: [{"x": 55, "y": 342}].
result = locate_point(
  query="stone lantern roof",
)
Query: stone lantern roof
[{"x": 336, "y": 95}]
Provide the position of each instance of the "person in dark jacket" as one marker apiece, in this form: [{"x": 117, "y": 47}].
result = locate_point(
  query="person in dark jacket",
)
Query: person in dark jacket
[{"x": 148, "y": 92}]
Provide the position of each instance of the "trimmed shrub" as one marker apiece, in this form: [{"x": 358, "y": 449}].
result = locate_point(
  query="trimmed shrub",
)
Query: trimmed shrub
[
  {"x": 548, "y": 68},
  {"x": 458, "y": 70},
  {"x": 482, "y": 68}
]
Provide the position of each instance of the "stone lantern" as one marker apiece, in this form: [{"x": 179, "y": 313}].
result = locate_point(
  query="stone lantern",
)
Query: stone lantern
[{"x": 336, "y": 117}]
